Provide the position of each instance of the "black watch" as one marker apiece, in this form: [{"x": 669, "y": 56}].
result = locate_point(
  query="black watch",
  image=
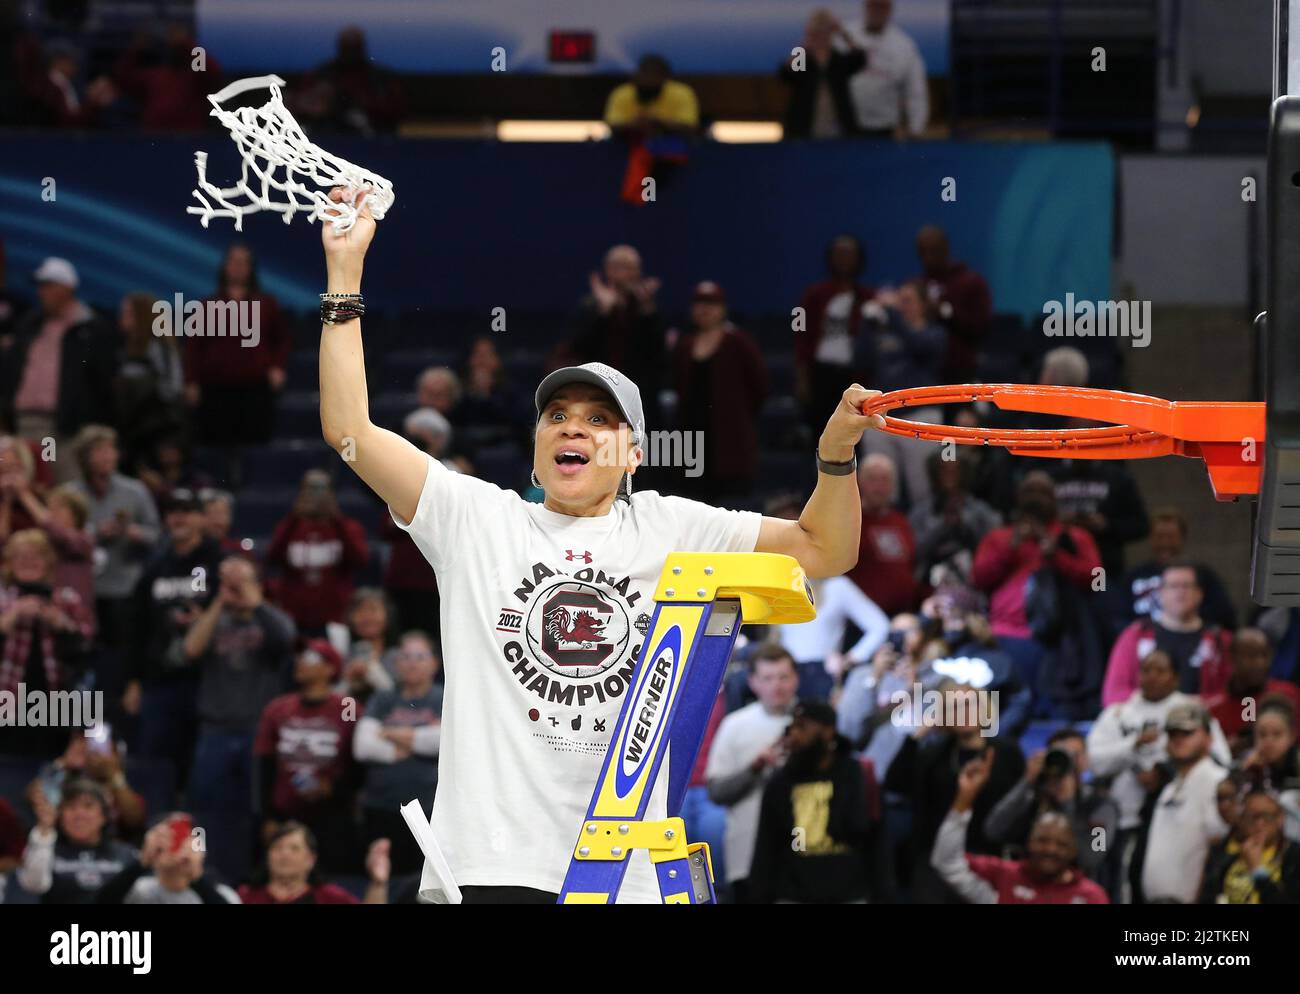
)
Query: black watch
[{"x": 837, "y": 468}]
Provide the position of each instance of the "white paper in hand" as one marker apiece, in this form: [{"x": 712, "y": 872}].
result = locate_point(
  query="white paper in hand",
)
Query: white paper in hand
[{"x": 436, "y": 883}]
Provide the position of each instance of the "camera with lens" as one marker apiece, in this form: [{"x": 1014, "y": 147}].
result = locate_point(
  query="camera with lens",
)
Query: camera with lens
[{"x": 1056, "y": 764}]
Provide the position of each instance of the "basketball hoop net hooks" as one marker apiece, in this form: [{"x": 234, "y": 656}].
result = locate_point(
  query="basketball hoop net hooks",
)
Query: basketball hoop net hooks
[
  {"x": 282, "y": 170},
  {"x": 1228, "y": 436}
]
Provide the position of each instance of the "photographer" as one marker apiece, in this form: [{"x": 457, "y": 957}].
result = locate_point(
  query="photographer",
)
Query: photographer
[
  {"x": 242, "y": 647},
  {"x": 1054, "y": 783},
  {"x": 1027, "y": 569},
  {"x": 320, "y": 550}
]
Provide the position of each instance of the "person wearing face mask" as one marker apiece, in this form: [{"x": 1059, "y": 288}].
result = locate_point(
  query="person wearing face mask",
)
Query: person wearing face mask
[
  {"x": 819, "y": 800},
  {"x": 1049, "y": 873},
  {"x": 652, "y": 103},
  {"x": 656, "y": 116}
]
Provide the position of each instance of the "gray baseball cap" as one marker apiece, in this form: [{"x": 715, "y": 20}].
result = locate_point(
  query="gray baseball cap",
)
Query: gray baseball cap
[
  {"x": 624, "y": 392},
  {"x": 597, "y": 374}
]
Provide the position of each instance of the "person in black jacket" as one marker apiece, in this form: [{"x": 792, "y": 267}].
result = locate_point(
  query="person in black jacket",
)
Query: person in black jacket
[
  {"x": 58, "y": 373},
  {"x": 818, "y": 77},
  {"x": 815, "y": 832},
  {"x": 925, "y": 773},
  {"x": 170, "y": 596},
  {"x": 1256, "y": 864}
]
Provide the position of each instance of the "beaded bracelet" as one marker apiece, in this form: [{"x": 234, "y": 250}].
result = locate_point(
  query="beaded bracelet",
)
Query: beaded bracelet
[{"x": 340, "y": 308}]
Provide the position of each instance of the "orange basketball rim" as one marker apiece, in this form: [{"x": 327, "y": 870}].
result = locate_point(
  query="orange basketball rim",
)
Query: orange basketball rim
[{"x": 1227, "y": 435}]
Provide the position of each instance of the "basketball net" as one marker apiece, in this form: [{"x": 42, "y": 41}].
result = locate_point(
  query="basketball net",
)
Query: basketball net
[{"x": 283, "y": 171}]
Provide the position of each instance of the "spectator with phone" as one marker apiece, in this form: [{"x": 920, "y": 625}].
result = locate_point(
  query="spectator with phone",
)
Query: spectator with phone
[
  {"x": 1127, "y": 745},
  {"x": 170, "y": 595},
  {"x": 70, "y": 853},
  {"x": 1058, "y": 558},
  {"x": 241, "y": 646},
  {"x": 168, "y": 870},
  {"x": 746, "y": 751},
  {"x": 44, "y": 637},
  {"x": 93, "y": 754},
  {"x": 290, "y": 875},
  {"x": 398, "y": 742},
  {"x": 817, "y": 76},
  {"x": 371, "y": 659},
  {"x": 1054, "y": 782},
  {"x": 319, "y": 550},
  {"x": 304, "y": 755},
  {"x": 1049, "y": 873}
]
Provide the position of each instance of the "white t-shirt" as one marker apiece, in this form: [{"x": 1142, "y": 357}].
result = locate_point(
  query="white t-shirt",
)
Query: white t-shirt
[
  {"x": 893, "y": 79},
  {"x": 836, "y": 345},
  {"x": 1185, "y": 824},
  {"x": 542, "y": 615},
  {"x": 740, "y": 738}
]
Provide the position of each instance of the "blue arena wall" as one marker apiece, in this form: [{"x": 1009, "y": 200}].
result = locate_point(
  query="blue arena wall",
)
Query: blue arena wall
[{"x": 479, "y": 225}]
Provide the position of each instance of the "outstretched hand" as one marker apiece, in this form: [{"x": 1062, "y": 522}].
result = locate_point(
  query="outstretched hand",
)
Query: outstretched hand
[{"x": 345, "y": 252}]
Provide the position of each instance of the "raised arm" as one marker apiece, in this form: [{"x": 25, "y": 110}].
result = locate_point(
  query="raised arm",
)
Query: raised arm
[
  {"x": 825, "y": 538},
  {"x": 390, "y": 465}
]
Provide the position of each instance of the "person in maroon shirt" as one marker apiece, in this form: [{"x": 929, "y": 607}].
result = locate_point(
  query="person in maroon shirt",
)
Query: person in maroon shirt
[
  {"x": 231, "y": 385},
  {"x": 1048, "y": 875},
  {"x": 1007, "y": 557},
  {"x": 12, "y": 839},
  {"x": 172, "y": 93},
  {"x": 721, "y": 383},
  {"x": 824, "y": 349},
  {"x": 887, "y": 549},
  {"x": 1249, "y": 683},
  {"x": 304, "y": 751},
  {"x": 290, "y": 875},
  {"x": 963, "y": 298},
  {"x": 320, "y": 550},
  {"x": 409, "y": 581},
  {"x": 351, "y": 92}
]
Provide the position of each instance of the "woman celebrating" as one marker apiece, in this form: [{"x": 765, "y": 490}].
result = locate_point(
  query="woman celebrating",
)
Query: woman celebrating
[{"x": 543, "y": 605}]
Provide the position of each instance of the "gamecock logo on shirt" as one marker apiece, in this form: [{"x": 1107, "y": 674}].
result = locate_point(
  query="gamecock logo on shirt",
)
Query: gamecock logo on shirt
[{"x": 577, "y": 629}]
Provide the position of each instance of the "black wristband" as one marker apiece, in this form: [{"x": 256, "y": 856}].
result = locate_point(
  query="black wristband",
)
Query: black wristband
[{"x": 837, "y": 468}]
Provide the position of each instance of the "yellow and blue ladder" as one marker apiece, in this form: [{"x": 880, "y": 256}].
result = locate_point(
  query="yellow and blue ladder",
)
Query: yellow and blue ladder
[{"x": 700, "y": 603}]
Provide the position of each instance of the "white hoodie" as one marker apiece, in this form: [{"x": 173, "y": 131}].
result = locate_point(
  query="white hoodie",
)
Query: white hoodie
[{"x": 1113, "y": 750}]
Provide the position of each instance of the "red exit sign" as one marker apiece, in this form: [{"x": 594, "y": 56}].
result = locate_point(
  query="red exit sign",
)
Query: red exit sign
[{"x": 573, "y": 46}]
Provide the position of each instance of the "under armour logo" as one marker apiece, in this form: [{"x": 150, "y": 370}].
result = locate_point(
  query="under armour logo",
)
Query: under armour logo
[{"x": 570, "y": 555}]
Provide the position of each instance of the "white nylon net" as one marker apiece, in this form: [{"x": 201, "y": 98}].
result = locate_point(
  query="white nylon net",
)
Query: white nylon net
[{"x": 283, "y": 171}]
